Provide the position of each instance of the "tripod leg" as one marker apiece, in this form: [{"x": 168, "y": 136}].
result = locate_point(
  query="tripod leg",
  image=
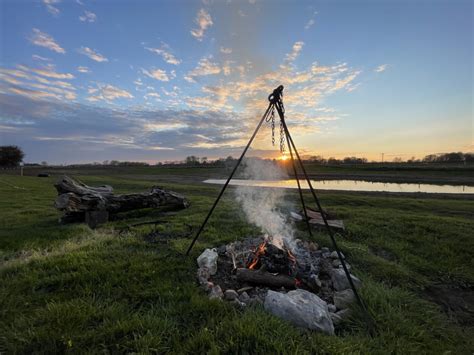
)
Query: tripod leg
[
  {"x": 229, "y": 178},
  {"x": 299, "y": 186},
  {"x": 369, "y": 319}
]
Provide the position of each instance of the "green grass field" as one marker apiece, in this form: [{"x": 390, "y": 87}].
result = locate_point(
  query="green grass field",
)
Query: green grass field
[{"x": 67, "y": 288}]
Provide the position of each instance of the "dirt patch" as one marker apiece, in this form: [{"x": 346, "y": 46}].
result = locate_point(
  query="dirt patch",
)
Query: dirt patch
[{"x": 456, "y": 301}]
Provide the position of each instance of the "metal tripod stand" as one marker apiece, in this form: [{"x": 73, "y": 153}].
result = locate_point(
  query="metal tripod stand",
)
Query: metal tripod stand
[{"x": 276, "y": 102}]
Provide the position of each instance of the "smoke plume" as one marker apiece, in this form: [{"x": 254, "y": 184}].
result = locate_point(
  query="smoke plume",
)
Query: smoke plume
[{"x": 261, "y": 205}]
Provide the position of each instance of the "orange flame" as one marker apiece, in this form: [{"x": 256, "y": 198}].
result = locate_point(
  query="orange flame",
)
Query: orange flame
[{"x": 259, "y": 251}]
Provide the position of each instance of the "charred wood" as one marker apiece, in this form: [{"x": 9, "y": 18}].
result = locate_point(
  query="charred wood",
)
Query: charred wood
[{"x": 264, "y": 278}]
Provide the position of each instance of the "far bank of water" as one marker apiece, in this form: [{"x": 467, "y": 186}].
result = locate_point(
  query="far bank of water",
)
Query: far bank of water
[{"x": 352, "y": 185}]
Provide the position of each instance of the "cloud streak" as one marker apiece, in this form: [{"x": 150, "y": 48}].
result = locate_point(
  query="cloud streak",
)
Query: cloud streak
[
  {"x": 53, "y": 10},
  {"x": 42, "y": 39},
  {"x": 88, "y": 16},
  {"x": 92, "y": 54},
  {"x": 165, "y": 53}
]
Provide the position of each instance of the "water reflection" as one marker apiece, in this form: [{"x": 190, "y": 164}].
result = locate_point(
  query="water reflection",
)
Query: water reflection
[{"x": 352, "y": 185}]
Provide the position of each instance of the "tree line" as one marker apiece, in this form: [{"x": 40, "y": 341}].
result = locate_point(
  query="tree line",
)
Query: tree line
[{"x": 11, "y": 156}]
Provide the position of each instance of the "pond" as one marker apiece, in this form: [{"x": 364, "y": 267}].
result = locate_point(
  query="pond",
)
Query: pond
[{"x": 351, "y": 185}]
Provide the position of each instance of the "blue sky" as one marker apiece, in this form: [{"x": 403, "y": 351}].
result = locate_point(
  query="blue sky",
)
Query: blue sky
[{"x": 84, "y": 80}]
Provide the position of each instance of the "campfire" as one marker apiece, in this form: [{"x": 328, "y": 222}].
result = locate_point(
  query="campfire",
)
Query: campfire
[{"x": 294, "y": 279}]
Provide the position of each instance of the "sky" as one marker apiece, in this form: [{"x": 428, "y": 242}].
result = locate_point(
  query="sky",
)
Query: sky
[{"x": 94, "y": 80}]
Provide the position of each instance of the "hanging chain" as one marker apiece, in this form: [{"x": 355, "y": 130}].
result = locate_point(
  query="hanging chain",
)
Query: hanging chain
[
  {"x": 282, "y": 138},
  {"x": 273, "y": 126}
]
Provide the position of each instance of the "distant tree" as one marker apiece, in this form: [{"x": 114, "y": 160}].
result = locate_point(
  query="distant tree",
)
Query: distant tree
[
  {"x": 469, "y": 157},
  {"x": 397, "y": 160},
  {"x": 431, "y": 158},
  {"x": 317, "y": 159},
  {"x": 204, "y": 160},
  {"x": 354, "y": 160},
  {"x": 10, "y": 156},
  {"x": 192, "y": 160}
]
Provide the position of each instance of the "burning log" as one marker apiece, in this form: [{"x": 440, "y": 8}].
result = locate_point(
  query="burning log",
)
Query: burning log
[
  {"x": 80, "y": 201},
  {"x": 264, "y": 278}
]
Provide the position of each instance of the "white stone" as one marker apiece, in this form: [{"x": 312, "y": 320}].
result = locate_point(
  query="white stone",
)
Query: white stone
[
  {"x": 301, "y": 308},
  {"x": 208, "y": 259}
]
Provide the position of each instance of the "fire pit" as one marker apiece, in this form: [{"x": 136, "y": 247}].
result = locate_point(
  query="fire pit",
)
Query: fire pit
[{"x": 293, "y": 279}]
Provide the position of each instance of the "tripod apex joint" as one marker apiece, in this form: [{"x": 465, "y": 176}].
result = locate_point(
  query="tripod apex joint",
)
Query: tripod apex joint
[{"x": 276, "y": 95}]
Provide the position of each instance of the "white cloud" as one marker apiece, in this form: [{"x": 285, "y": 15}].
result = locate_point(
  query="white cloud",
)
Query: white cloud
[
  {"x": 47, "y": 71},
  {"x": 297, "y": 47},
  {"x": 203, "y": 21},
  {"x": 38, "y": 57},
  {"x": 154, "y": 95},
  {"x": 88, "y": 17},
  {"x": 50, "y": 6},
  {"x": 92, "y": 54},
  {"x": 381, "y": 68},
  {"x": 309, "y": 24},
  {"x": 158, "y": 74},
  {"x": 226, "y": 50},
  {"x": 43, "y": 39},
  {"x": 311, "y": 21},
  {"x": 83, "y": 69},
  {"x": 107, "y": 92},
  {"x": 23, "y": 81},
  {"x": 164, "y": 52},
  {"x": 204, "y": 67}
]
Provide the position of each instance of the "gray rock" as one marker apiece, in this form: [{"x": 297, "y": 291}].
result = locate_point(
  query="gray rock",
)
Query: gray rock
[
  {"x": 332, "y": 308},
  {"x": 325, "y": 249},
  {"x": 238, "y": 303},
  {"x": 222, "y": 249},
  {"x": 216, "y": 293},
  {"x": 208, "y": 259},
  {"x": 231, "y": 295},
  {"x": 348, "y": 266},
  {"x": 301, "y": 308},
  {"x": 255, "y": 301},
  {"x": 207, "y": 286},
  {"x": 313, "y": 246},
  {"x": 340, "y": 316},
  {"x": 340, "y": 281},
  {"x": 244, "y": 297},
  {"x": 343, "y": 299},
  {"x": 315, "y": 281},
  {"x": 203, "y": 275},
  {"x": 335, "y": 256},
  {"x": 336, "y": 263}
]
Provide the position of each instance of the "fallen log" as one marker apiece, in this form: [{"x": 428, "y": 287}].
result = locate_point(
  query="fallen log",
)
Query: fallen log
[
  {"x": 67, "y": 184},
  {"x": 80, "y": 202},
  {"x": 264, "y": 278}
]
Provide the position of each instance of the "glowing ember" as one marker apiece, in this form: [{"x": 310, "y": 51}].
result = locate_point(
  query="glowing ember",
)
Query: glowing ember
[{"x": 260, "y": 251}]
